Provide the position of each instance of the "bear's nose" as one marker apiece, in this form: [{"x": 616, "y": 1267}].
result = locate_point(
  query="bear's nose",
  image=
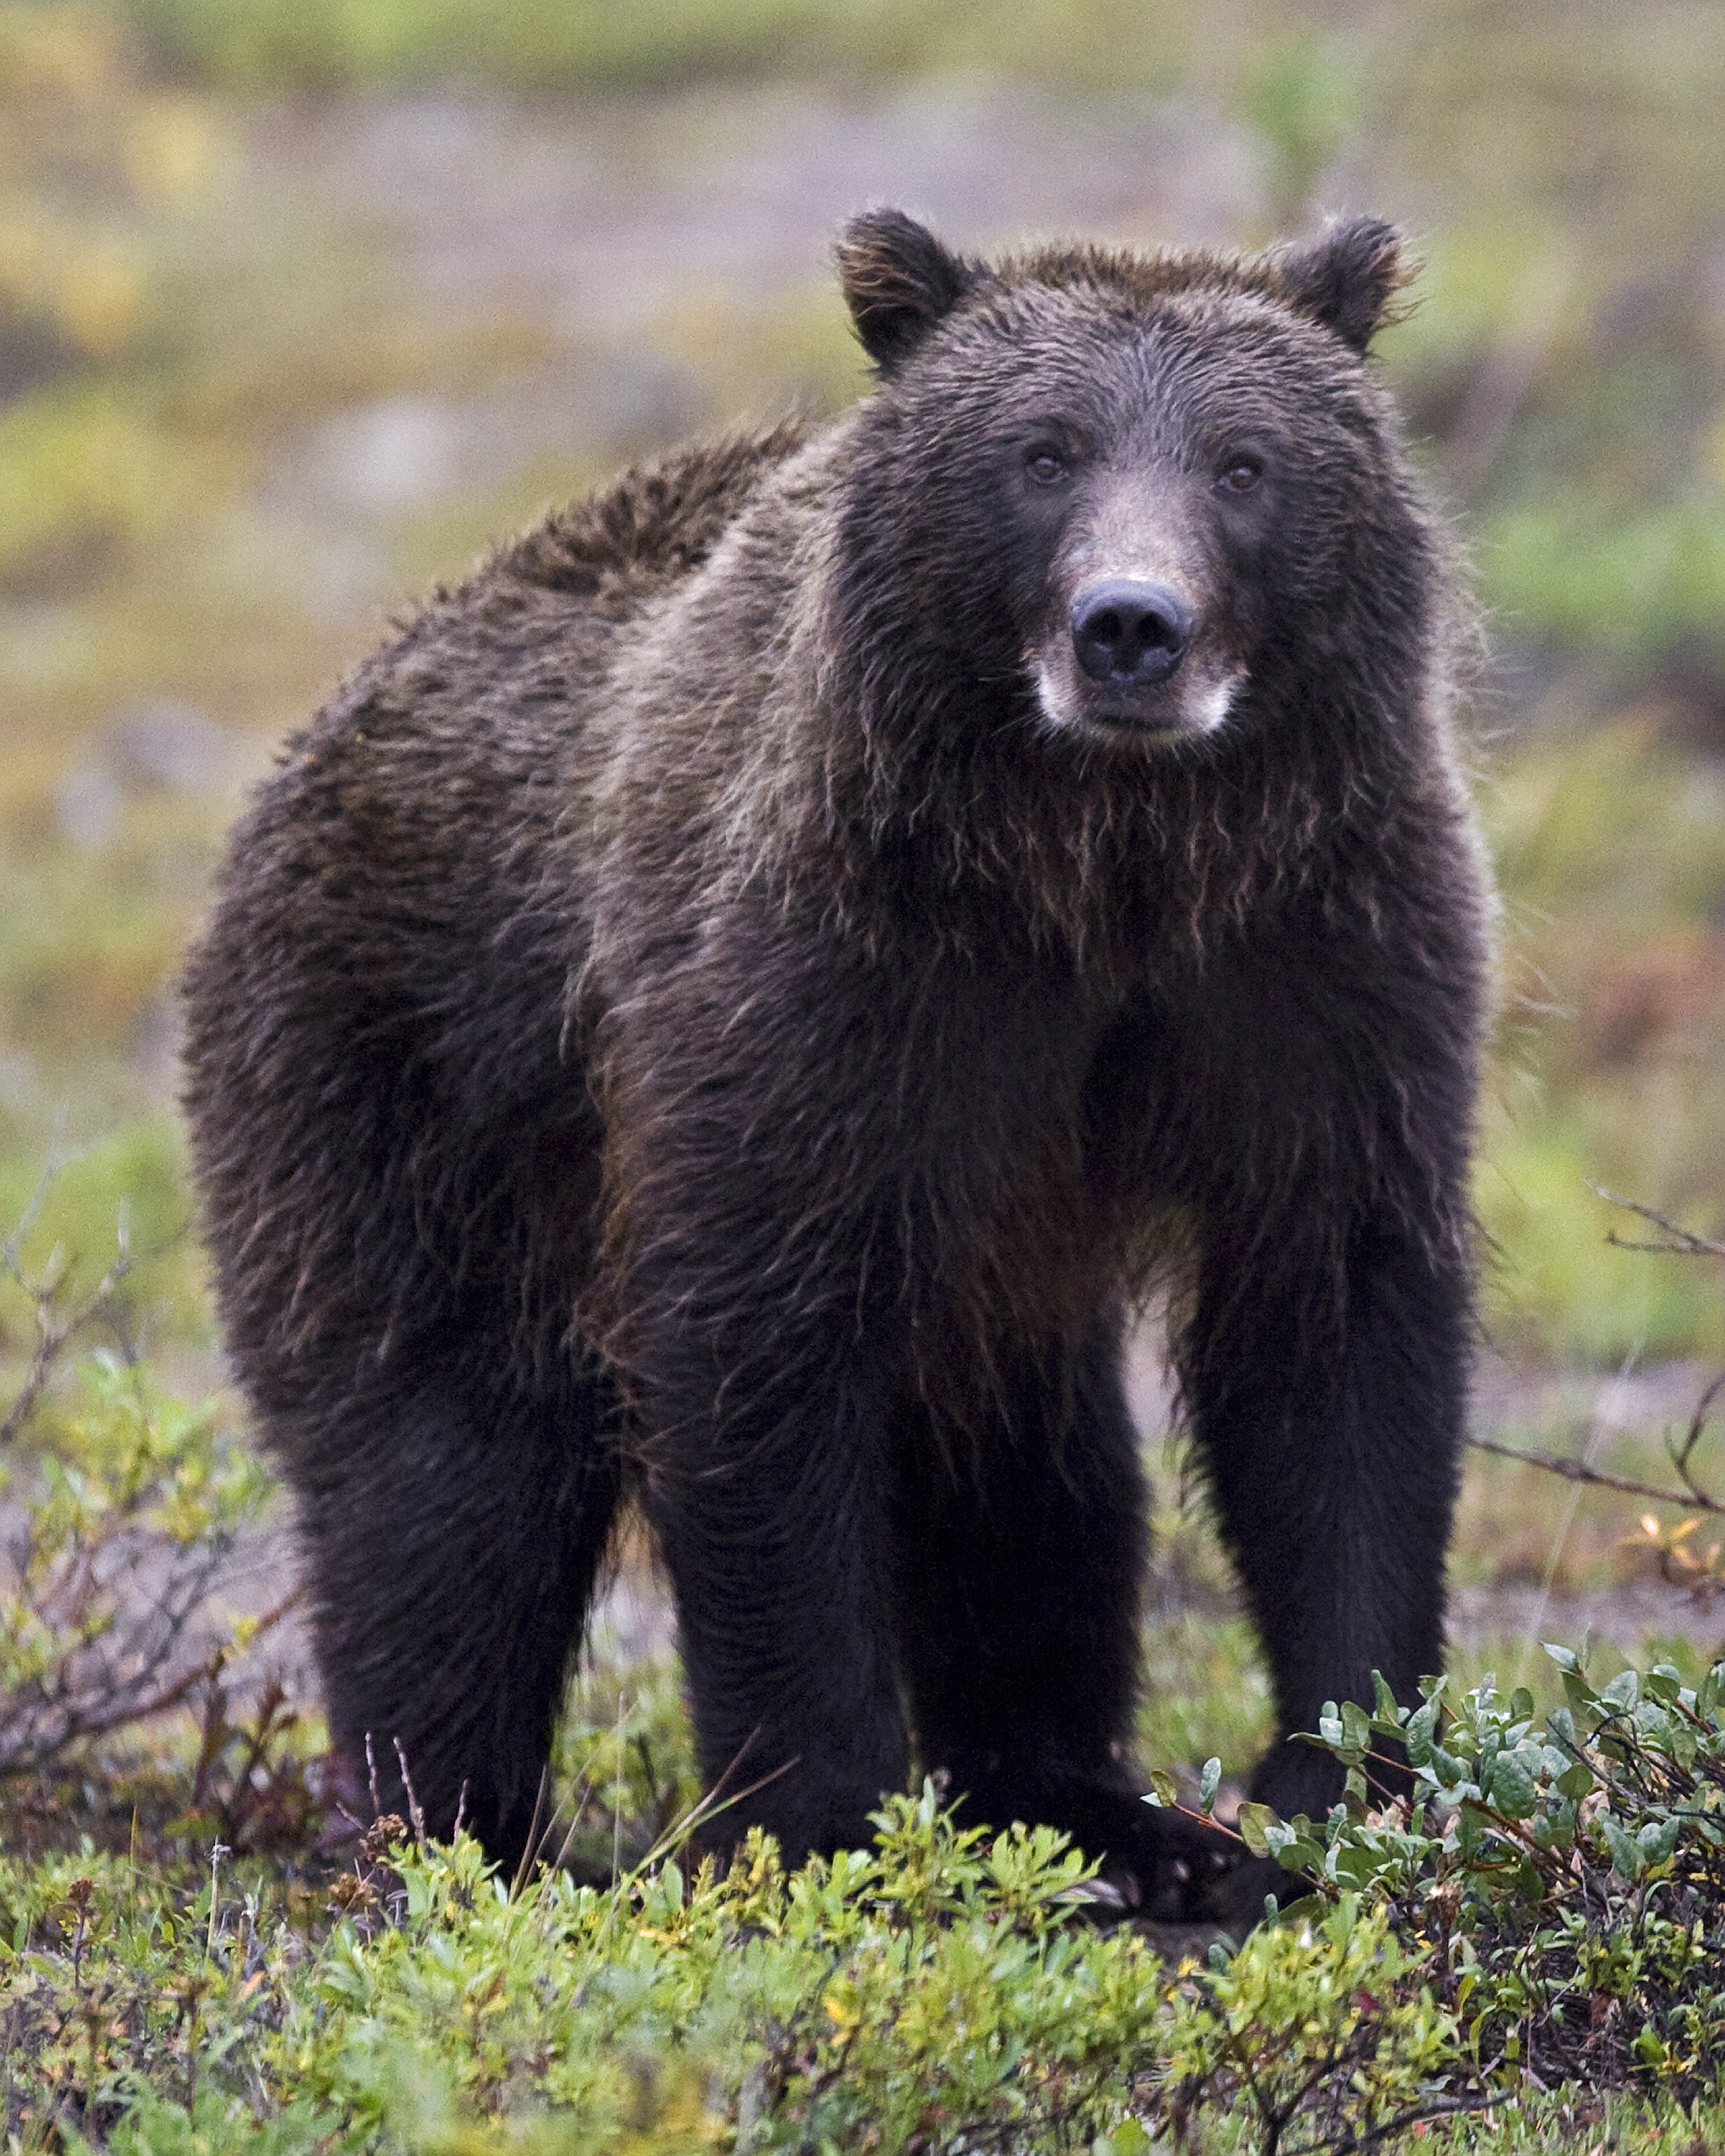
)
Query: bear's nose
[{"x": 1130, "y": 633}]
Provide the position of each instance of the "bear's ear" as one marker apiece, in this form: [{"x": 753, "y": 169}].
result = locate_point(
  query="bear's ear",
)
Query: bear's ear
[
  {"x": 1347, "y": 279},
  {"x": 898, "y": 282}
]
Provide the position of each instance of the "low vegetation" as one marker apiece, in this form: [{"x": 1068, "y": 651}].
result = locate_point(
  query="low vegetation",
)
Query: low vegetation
[{"x": 198, "y": 1953}]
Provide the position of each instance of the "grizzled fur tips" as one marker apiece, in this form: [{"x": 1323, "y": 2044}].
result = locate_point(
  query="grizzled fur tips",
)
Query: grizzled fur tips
[{"x": 734, "y": 1009}]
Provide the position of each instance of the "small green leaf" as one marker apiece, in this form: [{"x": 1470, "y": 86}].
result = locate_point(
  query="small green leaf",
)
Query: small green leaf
[
  {"x": 1255, "y": 1822},
  {"x": 1650, "y": 2052},
  {"x": 1128, "y": 2138},
  {"x": 1451, "y": 1772},
  {"x": 1657, "y": 1839},
  {"x": 1419, "y": 1732},
  {"x": 1622, "y": 1692},
  {"x": 1512, "y": 1789},
  {"x": 1627, "y": 1859},
  {"x": 1209, "y": 1782}
]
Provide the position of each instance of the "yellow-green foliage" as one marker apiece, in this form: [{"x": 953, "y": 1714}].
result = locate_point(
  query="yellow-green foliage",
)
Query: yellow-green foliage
[
  {"x": 1296, "y": 2021},
  {"x": 941, "y": 1989},
  {"x": 79, "y": 471},
  {"x": 188, "y": 309},
  {"x": 1610, "y": 847},
  {"x": 933, "y": 1991},
  {"x": 583, "y": 44},
  {"x": 134, "y": 1180},
  {"x": 130, "y": 1506},
  {"x": 1564, "y": 1910},
  {"x": 1596, "y": 568}
]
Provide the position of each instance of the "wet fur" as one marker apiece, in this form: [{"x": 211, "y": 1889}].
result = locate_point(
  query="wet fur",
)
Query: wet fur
[{"x": 682, "y": 1021}]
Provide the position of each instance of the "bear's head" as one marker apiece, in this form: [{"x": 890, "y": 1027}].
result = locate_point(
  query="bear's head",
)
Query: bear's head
[{"x": 1123, "y": 500}]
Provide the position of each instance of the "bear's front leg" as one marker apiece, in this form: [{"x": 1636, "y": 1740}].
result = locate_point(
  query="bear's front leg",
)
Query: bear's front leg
[
  {"x": 766, "y": 1498},
  {"x": 1022, "y": 1540},
  {"x": 747, "y": 1302},
  {"x": 1329, "y": 1404}
]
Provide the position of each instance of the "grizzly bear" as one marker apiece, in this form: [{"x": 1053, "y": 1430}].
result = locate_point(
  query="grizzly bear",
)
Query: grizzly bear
[{"x": 737, "y": 1006}]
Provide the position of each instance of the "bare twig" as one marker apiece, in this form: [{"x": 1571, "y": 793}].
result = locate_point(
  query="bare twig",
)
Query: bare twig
[
  {"x": 1578, "y": 1470},
  {"x": 102, "y": 1590},
  {"x": 54, "y": 1333},
  {"x": 1349, "y": 2144},
  {"x": 57, "y": 1328},
  {"x": 1693, "y": 1495},
  {"x": 416, "y": 1813},
  {"x": 104, "y": 1700},
  {"x": 1679, "y": 1242},
  {"x": 1697, "y": 1423}
]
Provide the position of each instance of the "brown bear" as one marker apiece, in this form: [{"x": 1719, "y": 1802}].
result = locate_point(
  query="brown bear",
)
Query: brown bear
[{"x": 736, "y": 1006}]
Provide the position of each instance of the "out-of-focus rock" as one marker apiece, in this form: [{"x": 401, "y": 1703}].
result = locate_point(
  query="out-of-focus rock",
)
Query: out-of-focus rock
[{"x": 157, "y": 746}]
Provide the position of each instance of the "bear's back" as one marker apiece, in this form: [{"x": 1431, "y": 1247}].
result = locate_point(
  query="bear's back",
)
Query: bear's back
[{"x": 619, "y": 548}]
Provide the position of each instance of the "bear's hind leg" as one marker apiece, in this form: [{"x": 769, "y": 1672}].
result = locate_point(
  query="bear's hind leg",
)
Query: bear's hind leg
[
  {"x": 453, "y": 1533},
  {"x": 1022, "y": 1556}
]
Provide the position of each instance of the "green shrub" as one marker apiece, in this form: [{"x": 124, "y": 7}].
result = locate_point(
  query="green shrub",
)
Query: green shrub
[
  {"x": 1562, "y": 1884},
  {"x": 933, "y": 1992},
  {"x": 1547, "y": 1914},
  {"x": 139, "y": 1501}
]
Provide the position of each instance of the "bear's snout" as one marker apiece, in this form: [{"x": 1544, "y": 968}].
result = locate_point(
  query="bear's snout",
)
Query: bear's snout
[{"x": 1130, "y": 634}]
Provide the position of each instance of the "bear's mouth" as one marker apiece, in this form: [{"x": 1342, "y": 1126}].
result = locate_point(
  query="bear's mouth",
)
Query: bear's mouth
[
  {"x": 1199, "y": 709},
  {"x": 1192, "y": 703}
]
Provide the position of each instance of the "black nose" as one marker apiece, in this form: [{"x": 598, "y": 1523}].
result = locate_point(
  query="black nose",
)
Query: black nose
[{"x": 1130, "y": 633}]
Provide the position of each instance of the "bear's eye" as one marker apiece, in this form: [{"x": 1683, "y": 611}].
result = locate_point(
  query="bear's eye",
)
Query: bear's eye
[
  {"x": 1045, "y": 465},
  {"x": 1241, "y": 476}
]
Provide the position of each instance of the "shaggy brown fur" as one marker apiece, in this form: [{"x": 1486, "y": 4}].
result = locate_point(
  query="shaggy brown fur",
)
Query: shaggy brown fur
[{"x": 738, "y": 1001}]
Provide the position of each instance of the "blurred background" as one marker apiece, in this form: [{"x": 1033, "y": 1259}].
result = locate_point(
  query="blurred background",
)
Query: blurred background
[{"x": 301, "y": 301}]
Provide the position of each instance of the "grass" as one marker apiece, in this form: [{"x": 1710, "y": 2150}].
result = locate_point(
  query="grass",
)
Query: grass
[{"x": 173, "y": 1994}]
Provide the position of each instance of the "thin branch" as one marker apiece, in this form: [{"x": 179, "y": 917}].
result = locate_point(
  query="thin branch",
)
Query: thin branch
[
  {"x": 1349, "y": 2144},
  {"x": 103, "y": 1700},
  {"x": 53, "y": 1334},
  {"x": 1679, "y": 1242},
  {"x": 1697, "y": 1423},
  {"x": 1577, "y": 1470},
  {"x": 105, "y": 1705},
  {"x": 9, "y": 1256}
]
